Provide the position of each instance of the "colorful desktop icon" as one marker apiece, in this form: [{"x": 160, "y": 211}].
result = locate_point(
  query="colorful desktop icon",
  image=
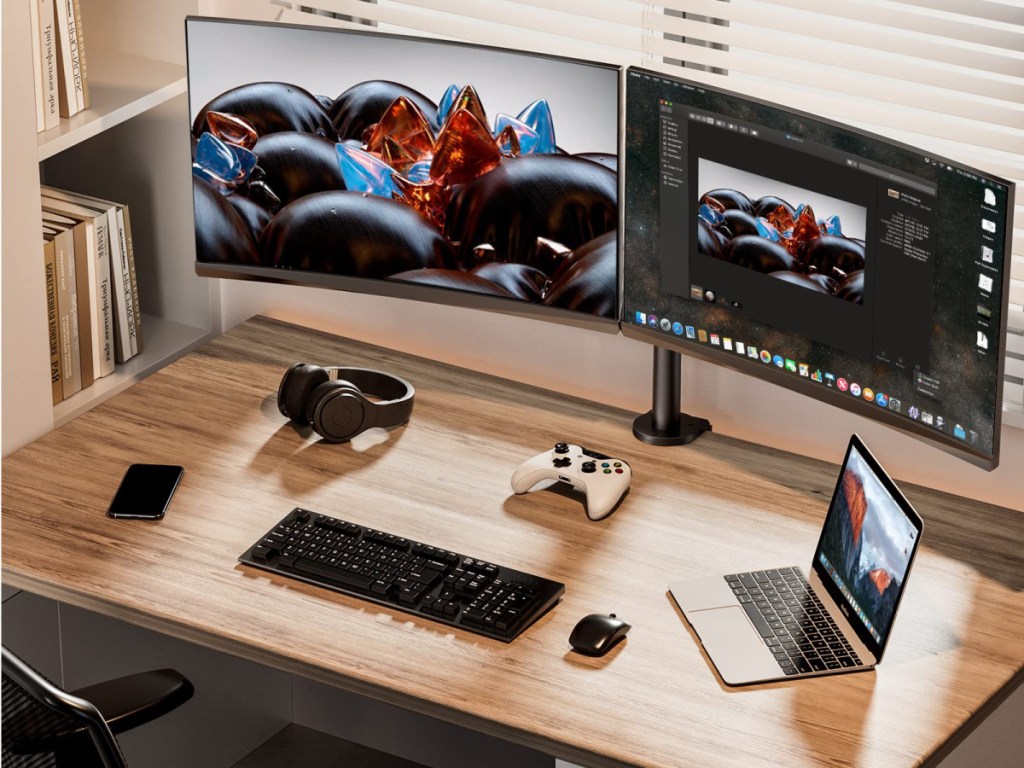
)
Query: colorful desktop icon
[
  {"x": 691, "y": 332},
  {"x": 791, "y": 365},
  {"x": 882, "y": 399},
  {"x": 666, "y": 324},
  {"x": 816, "y": 376},
  {"x": 702, "y": 336},
  {"x": 752, "y": 351},
  {"x": 779, "y": 361},
  {"x": 842, "y": 384},
  {"x": 716, "y": 340},
  {"x": 740, "y": 348},
  {"x": 927, "y": 418},
  {"x": 766, "y": 356},
  {"x": 641, "y": 317},
  {"x": 677, "y": 329},
  {"x": 869, "y": 394},
  {"x": 652, "y": 321},
  {"x": 830, "y": 379},
  {"x": 914, "y": 412},
  {"x": 805, "y": 369},
  {"x": 727, "y": 344},
  {"x": 855, "y": 389},
  {"x": 894, "y": 404}
]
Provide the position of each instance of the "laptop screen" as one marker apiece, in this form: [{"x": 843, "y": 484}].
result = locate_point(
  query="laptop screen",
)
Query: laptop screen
[{"x": 867, "y": 544}]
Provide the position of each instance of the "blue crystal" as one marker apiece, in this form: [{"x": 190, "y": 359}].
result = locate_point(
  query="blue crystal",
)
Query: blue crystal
[
  {"x": 445, "y": 105},
  {"x": 538, "y": 117},
  {"x": 799, "y": 210},
  {"x": 419, "y": 172},
  {"x": 529, "y": 139},
  {"x": 214, "y": 181},
  {"x": 246, "y": 161},
  {"x": 766, "y": 230},
  {"x": 363, "y": 172},
  {"x": 710, "y": 215},
  {"x": 833, "y": 226},
  {"x": 215, "y": 156}
]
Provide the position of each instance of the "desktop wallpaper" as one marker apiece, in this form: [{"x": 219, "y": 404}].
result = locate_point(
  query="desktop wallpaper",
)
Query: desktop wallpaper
[
  {"x": 866, "y": 545},
  {"x": 388, "y": 158}
]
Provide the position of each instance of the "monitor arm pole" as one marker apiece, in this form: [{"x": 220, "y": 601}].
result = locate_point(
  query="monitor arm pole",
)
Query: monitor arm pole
[{"x": 664, "y": 424}]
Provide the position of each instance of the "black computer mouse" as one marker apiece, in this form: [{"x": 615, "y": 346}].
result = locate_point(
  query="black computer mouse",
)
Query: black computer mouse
[{"x": 596, "y": 634}]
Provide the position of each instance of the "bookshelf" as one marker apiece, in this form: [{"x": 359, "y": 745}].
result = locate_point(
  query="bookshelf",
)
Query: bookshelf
[{"x": 131, "y": 146}]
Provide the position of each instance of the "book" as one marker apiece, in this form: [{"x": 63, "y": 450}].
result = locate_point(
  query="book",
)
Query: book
[
  {"x": 82, "y": 78},
  {"x": 124, "y": 327},
  {"x": 67, "y": 96},
  {"x": 67, "y": 311},
  {"x": 53, "y": 322},
  {"x": 37, "y": 63},
  {"x": 49, "y": 62},
  {"x": 136, "y": 311},
  {"x": 103, "y": 215}
]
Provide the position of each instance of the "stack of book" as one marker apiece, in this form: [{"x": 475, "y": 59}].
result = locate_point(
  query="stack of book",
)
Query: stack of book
[
  {"x": 58, "y": 47},
  {"x": 92, "y": 294}
]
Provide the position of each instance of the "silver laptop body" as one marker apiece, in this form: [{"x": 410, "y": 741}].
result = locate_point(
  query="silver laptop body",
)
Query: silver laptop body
[{"x": 783, "y": 623}]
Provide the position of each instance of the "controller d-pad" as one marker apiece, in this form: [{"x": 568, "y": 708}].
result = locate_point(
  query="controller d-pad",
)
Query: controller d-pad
[
  {"x": 561, "y": 447},
  {"x": 589, "y": 466},
  {"x": 565, "y": 461}
]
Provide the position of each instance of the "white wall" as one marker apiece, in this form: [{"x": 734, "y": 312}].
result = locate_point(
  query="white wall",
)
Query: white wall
[{"x": 611, "y": 369}]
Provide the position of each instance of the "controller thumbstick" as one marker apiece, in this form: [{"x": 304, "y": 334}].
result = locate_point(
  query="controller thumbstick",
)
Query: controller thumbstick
[
  {"x": 561, "y": 447},
  {"x": 589, "y": 466}
]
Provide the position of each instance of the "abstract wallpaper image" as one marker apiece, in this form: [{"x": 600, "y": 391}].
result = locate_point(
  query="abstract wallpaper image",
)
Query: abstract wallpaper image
[
  {"x": 813, "y": 241},
  {"x": 377, "y": 179}
]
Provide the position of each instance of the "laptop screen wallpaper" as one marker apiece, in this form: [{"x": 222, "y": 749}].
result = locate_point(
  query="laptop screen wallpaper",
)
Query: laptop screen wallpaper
[{"x": 867, "y": 545}]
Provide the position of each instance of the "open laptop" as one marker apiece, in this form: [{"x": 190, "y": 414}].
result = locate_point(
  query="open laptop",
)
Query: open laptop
[{"x": 779, "y": 623}]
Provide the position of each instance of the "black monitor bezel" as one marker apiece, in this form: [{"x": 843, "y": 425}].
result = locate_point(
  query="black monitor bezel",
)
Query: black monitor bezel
[
  {"x": 418, "y": 291},
  {"x": 802, "y": 386},
  {"x": 877, "y": 649}
]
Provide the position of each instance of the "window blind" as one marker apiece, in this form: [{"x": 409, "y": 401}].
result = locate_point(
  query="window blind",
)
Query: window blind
[{"x": 946, "y": 76}]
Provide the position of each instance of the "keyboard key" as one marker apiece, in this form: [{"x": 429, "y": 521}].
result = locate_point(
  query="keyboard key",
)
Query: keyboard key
[{"x": 758, "y": 621}]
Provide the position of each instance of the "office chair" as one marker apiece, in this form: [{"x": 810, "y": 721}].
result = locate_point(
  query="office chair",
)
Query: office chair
[{"x": 47, "y": 727}]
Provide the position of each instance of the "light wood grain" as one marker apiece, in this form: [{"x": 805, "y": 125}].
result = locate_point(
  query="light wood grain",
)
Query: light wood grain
[{"x": 717, "y": 505}]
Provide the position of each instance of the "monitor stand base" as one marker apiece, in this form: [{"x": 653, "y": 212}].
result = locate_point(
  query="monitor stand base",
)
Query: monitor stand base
[{"x": 664, "y": 424}]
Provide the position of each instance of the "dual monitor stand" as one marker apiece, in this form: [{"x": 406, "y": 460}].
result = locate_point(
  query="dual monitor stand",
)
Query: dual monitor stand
[{"x": 664, "y": 424}]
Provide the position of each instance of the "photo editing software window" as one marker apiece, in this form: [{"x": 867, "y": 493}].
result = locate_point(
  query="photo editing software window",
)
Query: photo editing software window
[{"x": 855, "y": 263}]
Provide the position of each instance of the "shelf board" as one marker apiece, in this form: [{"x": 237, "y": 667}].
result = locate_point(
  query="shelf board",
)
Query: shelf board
[
  {"x": 165, "y": 341},
  {"x": 121, "y": 86}
]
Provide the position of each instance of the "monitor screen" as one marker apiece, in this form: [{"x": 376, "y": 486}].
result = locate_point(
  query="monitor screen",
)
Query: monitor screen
[
  {"x": 418, "y": 168},
  {"x": 867, "y": 544},
  {"x": 853, "y": 269}
]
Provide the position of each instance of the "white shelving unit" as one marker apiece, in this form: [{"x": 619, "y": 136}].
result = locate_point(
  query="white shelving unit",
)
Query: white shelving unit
[{"x": 131, "y": 146}]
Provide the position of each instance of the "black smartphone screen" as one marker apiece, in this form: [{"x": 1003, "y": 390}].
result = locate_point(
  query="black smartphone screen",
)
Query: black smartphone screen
[{"x": 145, "y": 491}]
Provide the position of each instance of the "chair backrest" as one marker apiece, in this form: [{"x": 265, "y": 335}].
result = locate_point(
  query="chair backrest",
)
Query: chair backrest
[{"x": 42, "y": 723}]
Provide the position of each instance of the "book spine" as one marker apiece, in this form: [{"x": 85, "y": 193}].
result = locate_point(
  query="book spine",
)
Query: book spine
[
  {"x": 53, "y": 318},
  {"x": 37, "y": 63},
  {"x": 104, "y": 305},
  {"x": 84, "y": 233},
  {"x": 50, "y": 63},
  {"x": 81, "y": 55},
  {"x": 118, "y": 273},
  {"x": 75, "y": 51},
  {"x": 134, "y": 282},
  {"x": 71, "y": 375},
  {"x": 67, "y": 101}
]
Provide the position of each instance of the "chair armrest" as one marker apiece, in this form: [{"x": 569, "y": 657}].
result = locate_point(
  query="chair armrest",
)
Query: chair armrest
[{"x": 136, "y": 699}]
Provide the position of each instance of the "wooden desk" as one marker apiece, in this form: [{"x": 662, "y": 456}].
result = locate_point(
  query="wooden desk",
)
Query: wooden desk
[{"x": 718, "y": 505}]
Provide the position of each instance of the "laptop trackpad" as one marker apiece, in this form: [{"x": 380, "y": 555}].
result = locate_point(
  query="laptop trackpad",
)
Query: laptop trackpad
[{"x": 734, "y": 645}]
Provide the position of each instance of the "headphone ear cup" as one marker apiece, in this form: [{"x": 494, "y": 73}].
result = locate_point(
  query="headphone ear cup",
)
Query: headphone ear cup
[
  {"x": 337, "y": 411},
  {"x": 297, "y": 385}
]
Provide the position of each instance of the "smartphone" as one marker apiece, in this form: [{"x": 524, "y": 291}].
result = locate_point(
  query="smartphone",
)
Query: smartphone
[{"x": 145, "y": 491}]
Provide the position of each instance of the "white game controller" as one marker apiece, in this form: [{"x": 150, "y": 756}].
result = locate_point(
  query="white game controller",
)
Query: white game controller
[{"x": 603, "y": 479}]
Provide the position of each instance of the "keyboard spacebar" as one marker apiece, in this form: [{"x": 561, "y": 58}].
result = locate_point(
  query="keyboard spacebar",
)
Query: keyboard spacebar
[
  {"x": 759, "y": 623},
  {"x": 331, "y": 573}
]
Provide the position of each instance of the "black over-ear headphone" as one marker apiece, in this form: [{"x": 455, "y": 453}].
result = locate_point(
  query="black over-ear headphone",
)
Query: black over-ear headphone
[{"x": 332, "y": 400}]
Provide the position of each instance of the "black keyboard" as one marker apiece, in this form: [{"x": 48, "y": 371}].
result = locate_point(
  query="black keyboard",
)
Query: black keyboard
[
  {"x": 792, "y": 621},
  {"x": 488, "y": 599}
]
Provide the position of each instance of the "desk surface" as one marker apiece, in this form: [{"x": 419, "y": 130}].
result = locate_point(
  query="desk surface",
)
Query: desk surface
[{"x": 716, "y": 506}]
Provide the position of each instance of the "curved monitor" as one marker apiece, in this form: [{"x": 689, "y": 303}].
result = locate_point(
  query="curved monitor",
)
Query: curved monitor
[
  {"x": 821, "y": 258},
  {"x": 416, "y": 168}
]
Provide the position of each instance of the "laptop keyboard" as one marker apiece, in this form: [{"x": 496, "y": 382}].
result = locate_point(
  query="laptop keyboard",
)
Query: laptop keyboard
[{"x": 792, "y": 621}]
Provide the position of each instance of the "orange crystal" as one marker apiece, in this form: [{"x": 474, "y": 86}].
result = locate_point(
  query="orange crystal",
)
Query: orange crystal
[
  {"x": 402, "y": 126},
  {"x": 464, "y": 150},
  {"x": 468, "y": 99},
  {"x": 430, "y": 198},
  {"x": 232, "y": 129}
]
